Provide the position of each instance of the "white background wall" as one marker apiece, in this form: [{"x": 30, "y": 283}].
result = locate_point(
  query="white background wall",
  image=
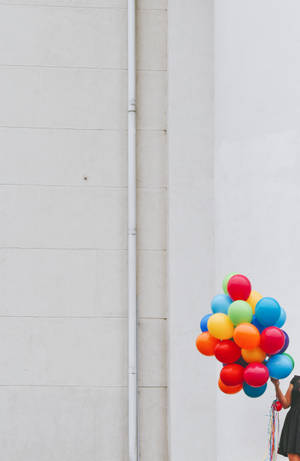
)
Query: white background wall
[
  {"x": 192, "y": 390},
  {"x": 63, "y": 213},
  {"x": 233, "y": 203},
  {"x": 257, "y": 146},
  {"x": 250, "y": 222}
]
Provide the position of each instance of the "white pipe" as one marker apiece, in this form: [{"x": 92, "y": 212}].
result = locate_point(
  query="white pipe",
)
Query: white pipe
[{"x": 132, "y": 305}]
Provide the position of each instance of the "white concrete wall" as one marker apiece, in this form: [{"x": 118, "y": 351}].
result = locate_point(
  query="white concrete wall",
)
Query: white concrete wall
[
  {"x": 63, "y": 201},
  {"x": 248, "y": 220},
  {"x": 63, "y": 216},
  {"x": 257, "y": 148},
  {"x": 192, "y": 387}
]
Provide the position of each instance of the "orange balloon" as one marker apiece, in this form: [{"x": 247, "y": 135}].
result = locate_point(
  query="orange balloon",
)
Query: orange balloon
[
  {"x": 254, "y": 355},
  {"x": 253, "y": 299},
  {"x": 246, "y": 336},
  {"x": 206, "y": 343},
  {"x": 229, "y": 389}
]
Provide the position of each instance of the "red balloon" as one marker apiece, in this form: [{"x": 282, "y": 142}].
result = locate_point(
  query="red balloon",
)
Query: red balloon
[
  {"x": 239, "y": 287},
  {"x": 277, "y": 405},
  {"x": 229, "y": 389},
  {"x": 256, "y": 374},
  {"x": 232, "y": 374},
  {"x": 272, "y": 340},
  {"x": 227, "y": 351}
]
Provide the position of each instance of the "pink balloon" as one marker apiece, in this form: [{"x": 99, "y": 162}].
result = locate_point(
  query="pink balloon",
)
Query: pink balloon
[
  {"x": 272, "y": 340},
  {"x": 256, "y": 374}
]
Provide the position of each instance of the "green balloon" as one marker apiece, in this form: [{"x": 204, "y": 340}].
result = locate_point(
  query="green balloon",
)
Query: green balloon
[
  {"x": 293, "y": 361},
  {"x": 240, "y": 312},
  {"x": 226, "y": 280}
]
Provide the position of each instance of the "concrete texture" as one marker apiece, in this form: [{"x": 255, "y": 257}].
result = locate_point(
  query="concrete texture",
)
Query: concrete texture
[
  {"x": 256, "y": 180},
  {"x": 192, "y": 386},
  {"x": 233, "y": 114},
  {"x": 63, "y": 244}
]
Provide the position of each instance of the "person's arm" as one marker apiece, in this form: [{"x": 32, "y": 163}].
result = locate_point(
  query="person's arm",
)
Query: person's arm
[{"x": 286, "y": 399}]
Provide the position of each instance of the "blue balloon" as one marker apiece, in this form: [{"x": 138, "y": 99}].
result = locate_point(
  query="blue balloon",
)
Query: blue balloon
[
  {"x": 257, "y": 324},
  {"x": 267, "y": 311},
  {"x": 279, "y": 366},
  {"x": 286, "y": 343},
  {"x": 282, "y": 318},
  {"x": 221, "y": 303},
  {"x": 203, "y": 323},
  {"x": 254, "y": 391}
]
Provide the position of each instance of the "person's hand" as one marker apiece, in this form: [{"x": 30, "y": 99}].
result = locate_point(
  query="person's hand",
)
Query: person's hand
[{"x": 275, "y": 381}]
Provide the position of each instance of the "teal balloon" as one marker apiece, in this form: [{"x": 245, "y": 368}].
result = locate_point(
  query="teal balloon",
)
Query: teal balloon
[
  {"x": 288, "y": 355},
  {"x": 267, "y": 311},
  {"x": 221, "y": 303},
  {"x": 280, "y": 365},
  {"x": 254, "y": 392},
  {"x": 282, "y": 318},
  {"x": 240, "y": 312}
]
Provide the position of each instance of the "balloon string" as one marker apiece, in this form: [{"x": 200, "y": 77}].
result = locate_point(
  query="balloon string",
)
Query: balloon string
[{"x": 273, "y": 434}]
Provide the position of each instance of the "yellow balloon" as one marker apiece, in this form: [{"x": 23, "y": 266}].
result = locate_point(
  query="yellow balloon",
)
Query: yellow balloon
[
  {"x": 253, "y": 355},
  {"x": 220, "y": 326},
  {"x": 253, "y": 299}
]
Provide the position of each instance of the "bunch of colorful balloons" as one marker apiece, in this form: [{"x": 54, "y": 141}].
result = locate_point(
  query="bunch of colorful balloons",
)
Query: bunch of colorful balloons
[{"x": 244, "y": 333}]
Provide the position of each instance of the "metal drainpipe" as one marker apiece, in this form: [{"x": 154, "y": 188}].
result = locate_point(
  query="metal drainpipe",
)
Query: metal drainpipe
[{"x": 132, "y": 304}]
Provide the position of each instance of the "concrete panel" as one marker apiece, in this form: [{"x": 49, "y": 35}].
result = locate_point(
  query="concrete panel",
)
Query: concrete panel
[
  {"x": 152, "y": 159},
  {"x": 61, "y": 217},
  {"x": 152, "y": 100},
  {"x": 63, "y": 36},
  {"x": 153, "y": 424},
  {"x": 155, "y": 4},
  {"x": 151, "y": 284},
  {"x": 111, "y": 427},
  {"x": 59, "y": 283},
  {"x": 63, "y": 282},
  {"x": 152, "y": 40},
  {"x": 43, "y": 97},
  {"x": 65, "y": 97},
  {"x": 64, "y": 157},
  {"x": 151, "y": 219},
  {"x": 86, "y": 352},
  {"x": 79, "y": 351},
  {"x": 48, "y": 424},
  {"x": 54, "y": 423},
  {"x": 80, "y": 37},
  {"x": 152, "y": 337},
  {"x": 68, "y": 4},
  {"x": 89, "y": 158},
  {"x": 109, "y": 4}
]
